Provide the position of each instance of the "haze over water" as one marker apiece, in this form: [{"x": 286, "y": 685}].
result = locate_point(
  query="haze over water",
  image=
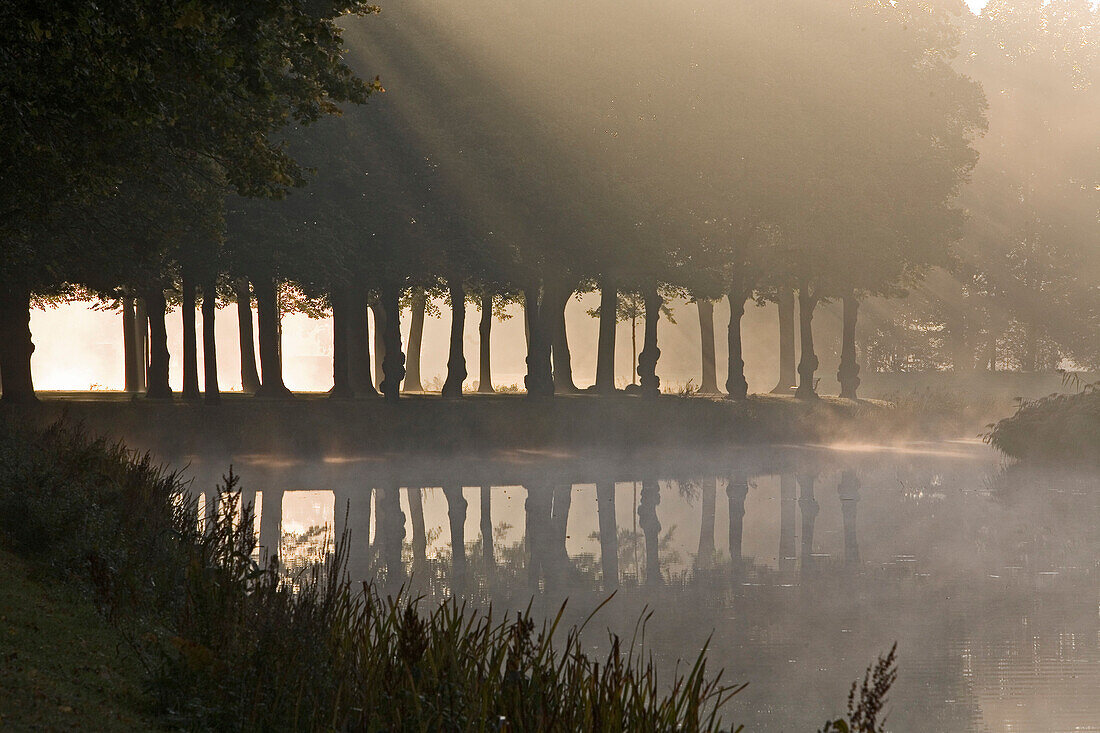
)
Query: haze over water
[{"x": 985, "y": 577}]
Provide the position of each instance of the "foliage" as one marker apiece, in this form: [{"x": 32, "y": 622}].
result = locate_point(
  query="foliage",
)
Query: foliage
[
  {"x": 230, "y": 645},
  {"x": 96, "y": 94},
  {"x": 827, "y": 147},
  {"x": 1028, "y": 256},
  {"x": 1056, "y": 428}
]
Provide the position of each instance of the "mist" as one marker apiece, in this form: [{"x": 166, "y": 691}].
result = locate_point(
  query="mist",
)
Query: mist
[{"x": 365, "y": 368}]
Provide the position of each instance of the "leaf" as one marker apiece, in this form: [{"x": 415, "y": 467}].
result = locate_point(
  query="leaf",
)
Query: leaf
[{"x": 191, "y": 17}]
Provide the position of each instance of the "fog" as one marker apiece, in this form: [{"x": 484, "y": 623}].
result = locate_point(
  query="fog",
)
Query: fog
[
  {"x": 792, "y": 309},
  {"x": 982, "y": 575},
  {"x": 579, "y": 129}
]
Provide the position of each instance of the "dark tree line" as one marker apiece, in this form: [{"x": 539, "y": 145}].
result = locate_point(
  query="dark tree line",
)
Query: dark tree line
[{"x": 798, "y": 151}]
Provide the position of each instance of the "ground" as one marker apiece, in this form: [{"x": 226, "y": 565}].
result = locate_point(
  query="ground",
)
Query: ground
[
  {"x": 62, "y": 666},
  {"x": 311, "y": 425}
]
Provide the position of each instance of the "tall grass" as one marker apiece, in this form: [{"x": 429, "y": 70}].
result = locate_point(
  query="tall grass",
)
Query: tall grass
[{"x": 229, "y": 644}]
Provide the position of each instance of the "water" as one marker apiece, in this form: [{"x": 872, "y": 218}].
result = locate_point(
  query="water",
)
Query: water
[{"x": 800, "y": 565}]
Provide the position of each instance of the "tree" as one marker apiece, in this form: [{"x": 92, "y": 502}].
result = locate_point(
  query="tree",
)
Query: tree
[
  {"x": 493, "y": 301},
  {"x": 420, "y": 305},
  {"x": 250, "y": 376},
  {"x": 1028, "y": 255},
  {"x": 709, "y": 383},
  {"x": 890, "y": 167},
  {"x": 98, "y": 95}
]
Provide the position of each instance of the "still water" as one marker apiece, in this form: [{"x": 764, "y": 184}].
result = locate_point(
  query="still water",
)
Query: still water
[{"x": 799, "y": 564}]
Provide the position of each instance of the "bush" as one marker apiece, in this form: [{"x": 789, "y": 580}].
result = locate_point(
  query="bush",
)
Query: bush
[{"x": 1060, "y": 427}]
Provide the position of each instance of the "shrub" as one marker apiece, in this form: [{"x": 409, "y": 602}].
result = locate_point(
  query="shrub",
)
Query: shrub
[{"x": 1060, "y": 427}]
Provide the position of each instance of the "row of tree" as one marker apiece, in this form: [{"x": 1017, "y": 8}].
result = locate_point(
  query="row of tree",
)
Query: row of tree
[{"x": 521, "y": 153}]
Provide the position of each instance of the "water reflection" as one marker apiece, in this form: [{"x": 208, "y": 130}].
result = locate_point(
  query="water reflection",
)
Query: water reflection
[{"x": 987, "y": 579}]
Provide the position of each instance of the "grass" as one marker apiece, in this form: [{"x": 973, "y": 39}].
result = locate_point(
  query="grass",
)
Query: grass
[
  {"x": 225, "y": 644},
  {"x": 314, "y": 425},
  {"x": 944, "y": 413},
  {"x": 60, "y": 666}
]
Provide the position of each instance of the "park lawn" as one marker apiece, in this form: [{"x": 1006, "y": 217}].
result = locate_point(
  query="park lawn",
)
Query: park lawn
[{"x": 62, "y": 666}]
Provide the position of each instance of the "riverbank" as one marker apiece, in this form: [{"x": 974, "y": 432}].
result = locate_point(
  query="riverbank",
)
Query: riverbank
[
  {"x": 226, "y": 644},
  {"x": 63, "y": 666},
  {"x": 1062, "y": 429},
  {"x": 313, "y": 425}
]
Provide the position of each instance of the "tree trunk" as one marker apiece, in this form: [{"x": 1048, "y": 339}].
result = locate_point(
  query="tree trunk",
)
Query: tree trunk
[
  {"x": 271, "y": 522},
  {"x": 190, "y": 342},
  {"x": 848, "y": 488},
  {"x": 736, "y": 384},
  {"x": 271, "y": 360},
  {"x": 605, "y": 350},
  {"x": 212, "y": 393},
  {"x": 456, "y": 357},
  {"x": 419, "y": 531},
  {"x": 352, "y": 519},
  {"x": 609, "y": 534},
  {"x": 484, "y": 330},
  {"x": 341, "y": 353},
  {"x": 416, "y": 338},
  {"x": 787, "y": 374},
  {"x": 419, "y": 543},
  {"x": 808, "y": 364},
  {"x": 709, "y": 383},
  {"x": 390, "y": 534},
  {"x": 526, "y": 323},
  {"x": 651, "y": 529},
  {"x": 158, "y": 346},
  {"x": 563, "y": 364},
  {"x": 250, "y": 378},
  {"x": 539, "y": 380},
  {"x": 962, "y": 350},
  {"x": 358, "y": 340},
  {"x": 634, "y": 350},
  {"x": 558, "y": 564},
  {"x": 787, "y": 504},
  {"x": 1030, "y": 362},
  {"x": 809, "y": 508},
  {"x": 848, "y": 373},
  {"x": 456, "y": 518},
  {"x": 537, "y": 520},
  {"x": 486, "y": 521},
  {"x": 647, "y": 359},
  {"x": 141, "y": 330},
  {"x": 736, "y": 490},
  {"x": 379, "y": 312},
  {"x": 706, "y": 554},
  {"x": 393, "y": 363},
  {"x": 16, "y": 346},
  {"x": 129, "y": 344}
]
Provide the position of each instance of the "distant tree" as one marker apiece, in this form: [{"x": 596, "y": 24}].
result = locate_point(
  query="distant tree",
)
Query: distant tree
[
  {"x": 890, "y": 166},
  {"x": 1028, "y": 256}
]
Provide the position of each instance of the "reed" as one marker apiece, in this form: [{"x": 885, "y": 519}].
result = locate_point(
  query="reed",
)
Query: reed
[{"x": 229, "y": 644}]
